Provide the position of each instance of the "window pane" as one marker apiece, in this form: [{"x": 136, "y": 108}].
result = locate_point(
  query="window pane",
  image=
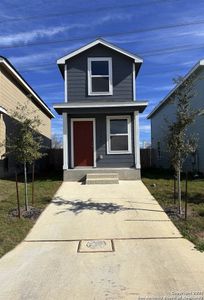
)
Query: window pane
[
  {"x": 118, "y": 126},
  {"x": 100, "y": 84},
  {"x": 119, "y": 143},
  {"x": 99, "y": 68}
]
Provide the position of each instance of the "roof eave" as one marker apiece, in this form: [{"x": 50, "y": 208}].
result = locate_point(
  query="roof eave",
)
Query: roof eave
[
  {"x": 62, "y": 60},
  {"x": 137, "y": 106},
  {"x": 156, "y": 109},
  {"x": 26, "y": 85}
]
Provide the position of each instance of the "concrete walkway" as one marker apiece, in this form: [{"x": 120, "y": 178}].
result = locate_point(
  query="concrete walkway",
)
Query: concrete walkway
[{"x": 102, "y": 242}]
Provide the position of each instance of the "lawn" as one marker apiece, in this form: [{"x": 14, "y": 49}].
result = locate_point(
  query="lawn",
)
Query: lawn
[
  {"x": 14, "y": 230},
  {"x": 161, "y": 185}
]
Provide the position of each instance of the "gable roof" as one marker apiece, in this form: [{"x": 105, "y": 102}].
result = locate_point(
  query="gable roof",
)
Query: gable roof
[
  {"x": 165, "y": 100},
  {"x": 63, "y": 59},
  {"x": 22, "y": 81}
]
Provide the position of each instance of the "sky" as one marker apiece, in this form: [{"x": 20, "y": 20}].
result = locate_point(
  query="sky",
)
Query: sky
[{"x": 167, "y": 34}]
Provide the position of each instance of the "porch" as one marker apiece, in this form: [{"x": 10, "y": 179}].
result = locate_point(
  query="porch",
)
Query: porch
[
  {"x": 101, "y": 138},
  {"x": 79, "y": 174}
]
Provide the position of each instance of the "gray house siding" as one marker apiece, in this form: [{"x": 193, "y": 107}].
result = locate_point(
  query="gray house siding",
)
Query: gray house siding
[
  {"x": 159, "y": 127},
  {"x": 122, "y": 67},
  {"x": 104, "y": 160}
]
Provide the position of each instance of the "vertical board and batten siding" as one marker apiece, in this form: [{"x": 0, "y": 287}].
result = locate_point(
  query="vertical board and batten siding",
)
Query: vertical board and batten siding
[
  {"x": 108, "y": 160},
  {"x": 122, "y": 67},
  {"x": 159, "y": 127}
]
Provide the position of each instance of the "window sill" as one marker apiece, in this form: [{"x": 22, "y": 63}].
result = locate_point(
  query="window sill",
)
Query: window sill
[
  {"x": 100, "y": 94},
  {"x": 119, "y": 152}
]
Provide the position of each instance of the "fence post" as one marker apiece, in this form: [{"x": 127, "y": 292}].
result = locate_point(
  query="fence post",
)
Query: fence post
[
  {"x": 186, "y": 197},
  {"x": 174, "y": 189}
]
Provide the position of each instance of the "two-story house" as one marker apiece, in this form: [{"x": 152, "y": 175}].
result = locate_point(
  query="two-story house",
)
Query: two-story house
[
  {"x": 15, "y": 90},
  {"x": 100, "y": 112}
]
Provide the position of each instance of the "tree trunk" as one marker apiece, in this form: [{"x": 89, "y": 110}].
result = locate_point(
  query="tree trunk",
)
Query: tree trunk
[
  {"x": 33, "y": 178},
  {"x": 17, "y": 197},
  {"x": 179, "y": 190},
  {"x": 26, "y": 186}
]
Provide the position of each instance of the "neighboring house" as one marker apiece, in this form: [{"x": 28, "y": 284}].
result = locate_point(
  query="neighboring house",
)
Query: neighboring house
[
  {"x": 13, "y": 90},
  {"x": 166, "y": 110},
  {"x": 100, "y": 112}
]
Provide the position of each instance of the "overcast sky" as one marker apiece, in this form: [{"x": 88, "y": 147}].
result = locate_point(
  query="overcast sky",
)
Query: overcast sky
[{"x": 29, "y": 29}]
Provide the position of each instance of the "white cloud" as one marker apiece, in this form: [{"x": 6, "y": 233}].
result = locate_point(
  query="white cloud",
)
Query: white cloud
[
  {"x": 29, "y": 36},
  {"x": 42, "y": 57},
  {"x": 7, "y": 40},
  {"x": 163, "y": 88},
  {"x": 143, "y": 116},
  {"x": 145, "y": 128}
]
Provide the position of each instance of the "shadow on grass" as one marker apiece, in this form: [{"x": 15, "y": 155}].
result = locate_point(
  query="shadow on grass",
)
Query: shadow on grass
[
  {"x": 78, "y": 206},
  {"x": 196, "y": 198},
  {"x": 154, "y": 173},
  {"x": 51, "y": 176}
]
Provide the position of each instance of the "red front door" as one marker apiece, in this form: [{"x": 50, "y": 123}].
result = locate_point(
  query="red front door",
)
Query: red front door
[{"x": 83, "y": 143}]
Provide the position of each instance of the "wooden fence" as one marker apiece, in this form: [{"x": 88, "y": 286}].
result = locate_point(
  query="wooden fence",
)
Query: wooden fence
[
  {"x": 147, "y": 157},
  {"x": 55, "y": 158}
]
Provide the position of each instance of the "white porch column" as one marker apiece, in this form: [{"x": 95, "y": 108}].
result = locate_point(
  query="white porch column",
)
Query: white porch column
[
  {"x": 65, "y": 142},
  {"x": 65, "y": 84},
  {"x": 65, "y": 124},
  {"x": 137, "y": 140}
]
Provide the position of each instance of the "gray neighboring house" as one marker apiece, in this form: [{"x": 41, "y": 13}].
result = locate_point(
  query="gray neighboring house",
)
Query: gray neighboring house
[
  {"x": 100, "y": 111},
  {"x": 166, "y": 110}
]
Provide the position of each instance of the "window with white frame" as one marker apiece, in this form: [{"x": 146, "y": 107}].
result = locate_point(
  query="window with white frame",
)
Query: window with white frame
[
  {"x": 119, "y": 134},
  {"x": 100, "y": 76}
]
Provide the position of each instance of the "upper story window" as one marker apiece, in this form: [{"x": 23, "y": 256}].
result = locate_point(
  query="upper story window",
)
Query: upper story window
[{"x": 100, "y": 76}]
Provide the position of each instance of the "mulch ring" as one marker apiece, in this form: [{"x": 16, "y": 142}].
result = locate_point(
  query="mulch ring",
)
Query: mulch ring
[
  {"x": 32, "y": 213},
  {"x": 173, "y": 213}
]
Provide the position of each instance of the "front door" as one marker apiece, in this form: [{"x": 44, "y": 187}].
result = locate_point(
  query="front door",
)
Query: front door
[{"x": 83, "y": 143}]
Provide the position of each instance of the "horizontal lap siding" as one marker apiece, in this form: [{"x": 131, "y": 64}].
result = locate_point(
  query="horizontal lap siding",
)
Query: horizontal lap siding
[
  {"x": 108, "y": 160},
  {"x": 11, "y": 94},
  {"x": 122, "y": 76}
]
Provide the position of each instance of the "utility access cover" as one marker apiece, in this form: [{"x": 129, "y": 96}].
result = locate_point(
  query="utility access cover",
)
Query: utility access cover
[{"x": 95, "y": 246}]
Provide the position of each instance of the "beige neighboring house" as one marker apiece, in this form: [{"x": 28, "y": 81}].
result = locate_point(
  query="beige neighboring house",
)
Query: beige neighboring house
[{"x": 13, "y": 90}]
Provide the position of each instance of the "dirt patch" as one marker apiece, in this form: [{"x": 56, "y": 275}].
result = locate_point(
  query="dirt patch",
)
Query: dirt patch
[
  {"x": 200, "y": 235},
  {"x": 32, "y": 213}
]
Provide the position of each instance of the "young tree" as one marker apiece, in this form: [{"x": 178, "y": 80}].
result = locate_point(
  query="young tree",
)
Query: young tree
[
  {"x": 25, "y": 142},
  {"x": 180, "y": 142}
]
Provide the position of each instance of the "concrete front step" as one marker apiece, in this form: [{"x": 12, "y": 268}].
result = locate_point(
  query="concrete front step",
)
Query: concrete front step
[
  {"x": 102, "y": 181},
  {"x": 102, "y": 175},
  {"x": 102, "y": 178}
]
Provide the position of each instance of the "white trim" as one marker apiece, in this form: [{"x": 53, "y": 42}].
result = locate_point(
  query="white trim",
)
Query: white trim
[
  {"x": 65, "y": 142},
  {"x": 26, "y": 86},
  {"x": 65, "y": 84},
  {"x": 133, "y": 83},
  {"x": 129, "y": 134},
  {"x": 94, "y": 139},
  {"x": 137, "y": 140},
  {"x": 92, "y": 105},
  {"x": 62, "y": 60},
  {"x": 3, "y": 110},
  {"x": 90, "y": 76},
  {"x": 199, "y": 64}
]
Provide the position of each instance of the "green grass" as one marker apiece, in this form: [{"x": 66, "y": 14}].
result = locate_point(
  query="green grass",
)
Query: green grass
[
  {"x": 14, "y": 230},
  {"x": 161, "y": 185}
]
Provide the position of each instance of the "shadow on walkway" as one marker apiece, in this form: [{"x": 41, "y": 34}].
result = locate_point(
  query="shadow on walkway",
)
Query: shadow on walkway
[{"x": 77, "y": 206}]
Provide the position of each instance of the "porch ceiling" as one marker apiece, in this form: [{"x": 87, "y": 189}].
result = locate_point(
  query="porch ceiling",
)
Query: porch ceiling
[{"x": 100, "y": 107}]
